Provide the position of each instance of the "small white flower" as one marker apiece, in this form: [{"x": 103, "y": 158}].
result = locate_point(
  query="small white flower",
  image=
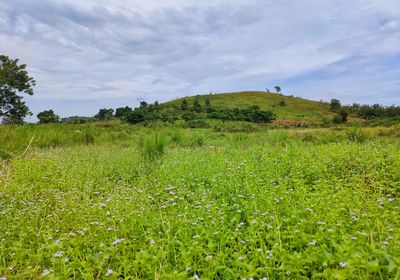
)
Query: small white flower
[
  {"x": 188, "y": 268},
  {"x": 117, "y": 241},
  {"x": 45, "y": 272},
  {"x": 59, "y": 254},
  {"x": 109, "y": 272},
  {"x": 152, "y": 242},
  {"x": 196, "y": 277},
  {"x": 3, "y": 278},
  {"x": 312, "y": 243},
  {"x": 343, "y": 264}
]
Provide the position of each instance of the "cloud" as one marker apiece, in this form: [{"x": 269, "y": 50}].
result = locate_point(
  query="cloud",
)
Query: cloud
[{"x": 114, "y": 52}]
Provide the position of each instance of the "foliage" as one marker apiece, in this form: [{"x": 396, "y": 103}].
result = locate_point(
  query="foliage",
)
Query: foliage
[
  {"x": 335, "y": 105},
  {"x": 199, "y": 123},
  {"x": 78, "y": 120},
  {"x": 196, "y": 106},
  {"x": 184, "y": 105},
  {"x": 14, "y": 80},
  {"x": 122, "y": 112},
  {"x": 282, "y": 103},
  {"x": 278, "y": 89},
  {"x": 252, "y": 114},
  {"x": 48, "y": 116},
  {"x": 105, "y": 114}
]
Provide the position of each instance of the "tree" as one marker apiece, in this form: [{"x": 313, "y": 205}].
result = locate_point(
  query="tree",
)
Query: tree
[
  {"x": 14, "y": 80},
  {"x": 48, "y": 116},
  {"x": 278, "y": 89},
  {"x": 135, "y": 117},
  {"x": 343, "y": 114},
  {"x": 282, "y": 103},
  {"x": 196, "y": 106},
  {"x": 104, "y": 114},
  {"x": 184, "y": 105},
  {"x": 122, "y": 112},
  {"x": 335, "y": 105}
]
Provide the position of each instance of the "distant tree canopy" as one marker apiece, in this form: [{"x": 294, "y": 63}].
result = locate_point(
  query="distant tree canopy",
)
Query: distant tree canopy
[
  {"x": 149, "y": 112},
  {"x": 278, "y": 89},
  {"x": 184, "y": 105},
  {"x": 14, "y": 80},
  {"x": 48, "y": 116},
  {"x": 122, "y": 112},
  {"x": 196, "y": 105},
  {"x": 105, "y": 114},
  {"x": 335, "y": 105}
]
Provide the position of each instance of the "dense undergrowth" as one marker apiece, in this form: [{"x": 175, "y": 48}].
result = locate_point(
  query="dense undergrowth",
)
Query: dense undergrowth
[{"x": 170, "y": 203}]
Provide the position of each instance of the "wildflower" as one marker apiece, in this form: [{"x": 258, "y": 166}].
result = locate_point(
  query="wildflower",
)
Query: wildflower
[
  {"x": 343, "y": 264},
  {"x": 354, "y": 218},
  {"x": 45, "y": 272},
  {"x": 276, "y": 200},
  {"x": 196, "y": 277},
  {"x": 152, "y": 242},
  {"x": 117, "y": 241},
  {"x": 188, "y": 268},
  {"x": 109, "y": 272},
  {"x": 312, "y": 243},
  {"x": 59, "y": 254}
]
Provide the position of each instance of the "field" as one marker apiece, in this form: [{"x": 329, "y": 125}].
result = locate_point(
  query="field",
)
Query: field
[{"x": 115, "y": 201}]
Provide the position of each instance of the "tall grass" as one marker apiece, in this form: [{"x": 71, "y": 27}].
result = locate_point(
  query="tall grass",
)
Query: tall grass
[{"x": 153, "y": 145}]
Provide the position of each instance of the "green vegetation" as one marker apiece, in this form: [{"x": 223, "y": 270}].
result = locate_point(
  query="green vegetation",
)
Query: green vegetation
[
  {"x": 14, "y": 81},
  {"x": 114, "y": 200},
  {"x": 284, "y": 107}
]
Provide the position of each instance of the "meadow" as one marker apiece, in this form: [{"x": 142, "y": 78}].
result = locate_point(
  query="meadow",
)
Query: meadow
[{"x": 111, "y": 201}]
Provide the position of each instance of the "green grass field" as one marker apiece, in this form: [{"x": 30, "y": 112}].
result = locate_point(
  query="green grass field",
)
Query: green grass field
[
  {"x": 169, "y": 203},
  {"x": 114, "y": 201}
]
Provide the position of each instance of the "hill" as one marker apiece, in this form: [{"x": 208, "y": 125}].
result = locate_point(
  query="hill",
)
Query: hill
[{"x": 285, "y": 107}]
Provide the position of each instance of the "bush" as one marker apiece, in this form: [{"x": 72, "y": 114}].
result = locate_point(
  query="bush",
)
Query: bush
[
  {"x": 337, "y": 119},
  {"x": 196, "y": 124}
]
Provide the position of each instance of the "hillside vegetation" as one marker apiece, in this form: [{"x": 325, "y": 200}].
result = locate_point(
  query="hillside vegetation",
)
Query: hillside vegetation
[{"x": 294, "y": 108}]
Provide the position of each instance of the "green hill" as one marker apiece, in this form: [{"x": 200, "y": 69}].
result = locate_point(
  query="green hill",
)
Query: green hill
[{"x": 285, "y": 107}]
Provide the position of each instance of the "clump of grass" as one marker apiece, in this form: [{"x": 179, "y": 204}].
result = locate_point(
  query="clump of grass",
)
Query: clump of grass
[
  {"x": 177, "y": 137},
  {"x": 153, "y": 146},
  {"x": 356, "y": 135}
]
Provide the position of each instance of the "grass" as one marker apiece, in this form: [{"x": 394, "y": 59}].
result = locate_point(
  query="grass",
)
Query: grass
[{"x": 281, "y": 204}]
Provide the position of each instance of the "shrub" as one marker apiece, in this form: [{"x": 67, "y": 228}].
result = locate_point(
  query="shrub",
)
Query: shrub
[
  {"x": 337, "y": 119},
  {"x": 199, "y": 123}
]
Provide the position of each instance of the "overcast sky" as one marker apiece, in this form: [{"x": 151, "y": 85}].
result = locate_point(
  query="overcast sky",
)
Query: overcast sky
[{"x": 88, "y": 54}]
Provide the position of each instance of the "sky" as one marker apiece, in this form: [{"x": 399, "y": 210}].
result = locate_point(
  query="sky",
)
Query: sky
[{"x": 92, "y": 54}]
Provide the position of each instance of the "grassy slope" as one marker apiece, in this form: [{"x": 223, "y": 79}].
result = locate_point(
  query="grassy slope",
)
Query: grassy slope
[{"x": 295, "y": 109}]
